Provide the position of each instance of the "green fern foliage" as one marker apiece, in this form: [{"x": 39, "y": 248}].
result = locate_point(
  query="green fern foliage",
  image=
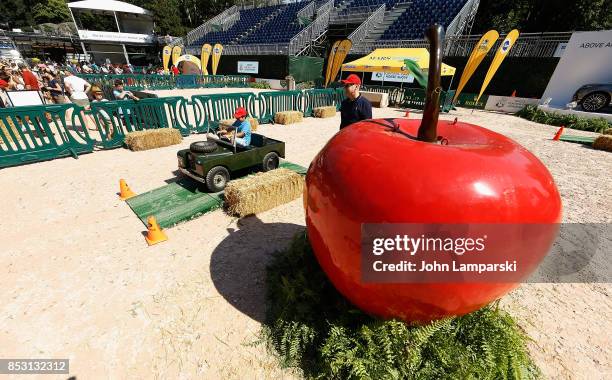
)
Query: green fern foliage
[{"x": 310, "y": 326}]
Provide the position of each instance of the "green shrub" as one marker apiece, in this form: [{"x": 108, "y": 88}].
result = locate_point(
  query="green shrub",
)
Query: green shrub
[
  {"x": 309, "y": 325},
  {"x": 262, "y": 85},
  {"x": 532, "y": 113}
]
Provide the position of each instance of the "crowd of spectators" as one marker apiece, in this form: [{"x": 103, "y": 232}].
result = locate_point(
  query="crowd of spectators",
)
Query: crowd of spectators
[{"x": 61, "y": 83}]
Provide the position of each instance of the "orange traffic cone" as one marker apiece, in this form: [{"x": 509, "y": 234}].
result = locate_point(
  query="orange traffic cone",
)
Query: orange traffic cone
[
  {"x": 155, "y": 234},
  {"x": 407, "y": 115},
  {"x": 513, "y": 94},
  {"x": 558, "y": 134},
  {"x": 124, "y": 190}
]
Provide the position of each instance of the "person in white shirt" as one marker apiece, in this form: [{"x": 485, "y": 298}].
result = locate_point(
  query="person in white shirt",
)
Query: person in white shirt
[{"x": 78, "y": 89}]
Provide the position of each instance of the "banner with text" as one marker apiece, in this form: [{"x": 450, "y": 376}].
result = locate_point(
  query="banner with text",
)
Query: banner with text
[
  {"x": 248, "y": 67},
  {"x": 393, "y": 77}
]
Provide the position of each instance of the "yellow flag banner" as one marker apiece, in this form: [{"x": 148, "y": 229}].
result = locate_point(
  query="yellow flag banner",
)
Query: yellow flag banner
[
  {"x": 502, "y": 52},
  {"x": 330, "y": 61},
  {"x": 216, "y": 56},
  {"x": 166, "y": 52},
  {"x": 481, "y": 49},
  {"x": 176, "y": 53},
  {"x": 343, "y": 49},
  {"x": 206, "y": 49}
]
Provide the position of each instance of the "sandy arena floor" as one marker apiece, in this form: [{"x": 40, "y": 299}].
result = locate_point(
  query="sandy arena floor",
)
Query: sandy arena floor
[{"x": 78, "y": 280}]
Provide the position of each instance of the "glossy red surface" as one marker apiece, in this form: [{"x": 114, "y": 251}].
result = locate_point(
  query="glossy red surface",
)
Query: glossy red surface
[{"x": 369, "y": 173}]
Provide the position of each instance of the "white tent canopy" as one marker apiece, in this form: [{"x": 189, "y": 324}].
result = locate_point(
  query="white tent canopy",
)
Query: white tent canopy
[{"x": 108, "y": 5}]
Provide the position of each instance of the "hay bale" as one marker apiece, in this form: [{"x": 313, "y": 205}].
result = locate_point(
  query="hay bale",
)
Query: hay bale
[
  {"x": 603, "y": 142},
  {"x": 153, "y": 138},
  {"x": 288, "y": 117},
  {"x": 263, "y": 191},
  {"x": 323, "y": 112},
  {"x": 6, "y": 132},
  {"x": 254, "y": 123},
  {"x": 608, "y": 131}
]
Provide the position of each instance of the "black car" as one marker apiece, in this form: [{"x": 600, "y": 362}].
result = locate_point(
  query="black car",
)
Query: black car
[{"x": 593, "y": 97}]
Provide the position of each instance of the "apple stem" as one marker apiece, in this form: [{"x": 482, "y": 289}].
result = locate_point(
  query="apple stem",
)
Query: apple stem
[{"x": 429, "y": 124}]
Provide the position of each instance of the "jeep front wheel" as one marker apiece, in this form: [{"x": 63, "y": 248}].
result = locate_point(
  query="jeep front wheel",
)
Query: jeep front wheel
[
  {"x": 270, "y": 161},
  {"x": 217, "y": 178}
]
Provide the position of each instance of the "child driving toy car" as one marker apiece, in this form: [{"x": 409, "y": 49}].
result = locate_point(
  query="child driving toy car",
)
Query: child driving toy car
[{"x": 241, "y": 128}]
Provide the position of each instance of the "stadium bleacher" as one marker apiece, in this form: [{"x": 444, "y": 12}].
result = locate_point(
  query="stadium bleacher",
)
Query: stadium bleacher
[
  {"x": 280, "y": 29},
  {"x": 419, "y": 15},
  {"x": 279, "y": 23}
]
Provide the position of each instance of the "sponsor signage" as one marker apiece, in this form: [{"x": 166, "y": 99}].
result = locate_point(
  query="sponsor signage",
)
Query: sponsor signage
[
  {"x": 585, "y": 60},
  {"x": 94, "y": 35},
  {"x": 508, "y": 103},
  {"x": 248, "y": 67},
  {"x": 560, "y": 49},
  {"x": 393, "y": 77}
]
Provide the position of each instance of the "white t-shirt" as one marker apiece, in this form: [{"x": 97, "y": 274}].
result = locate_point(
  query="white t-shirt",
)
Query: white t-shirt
[{"x": 77, "y": 85}]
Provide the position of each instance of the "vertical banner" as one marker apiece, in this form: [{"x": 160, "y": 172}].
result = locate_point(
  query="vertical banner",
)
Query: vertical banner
[
  {"x": 480, "y": 51},
  {"x": 216, "y": 56},
  {"x": 176, "y": 53},
  {"x": 206, "y": 49},
  {"x": 330, "y": 61},
  {"x": 502, "y": 52},
  {"x": 343, "y": 49},
  {"x": 166, "y": 52}
]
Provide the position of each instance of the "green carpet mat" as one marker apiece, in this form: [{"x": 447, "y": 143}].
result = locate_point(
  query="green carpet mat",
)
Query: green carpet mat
[
  {"x": 587, "y": 140},
  {"x": 295, "y": 167},
  {"x": 182, "y": 200}
]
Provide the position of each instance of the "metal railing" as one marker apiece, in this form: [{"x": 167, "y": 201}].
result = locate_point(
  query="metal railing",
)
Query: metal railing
[
  {"x": 465, "y": 15},
  {"x": 307, "y": 11},
  {"x": 327, "y": 6},
  {"x": 311, "y": 33},
  {"x": 207, "y": 27},
  {"x": 353, "y": 14},
  {"x": 230, "y": 20},
  {"x": 359, "y": 34},
  {"x": 527, "y": 45},
  {"x": 259, "y": 49}
]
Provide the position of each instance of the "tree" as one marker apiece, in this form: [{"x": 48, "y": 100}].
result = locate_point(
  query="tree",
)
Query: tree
[
  {"x": 54, "y": 11},
  {"x": 167, "y": 17},
  {"x": 543, "y": 15}
]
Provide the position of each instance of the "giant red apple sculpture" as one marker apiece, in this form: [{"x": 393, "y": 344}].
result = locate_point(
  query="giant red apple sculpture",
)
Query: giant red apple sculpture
[{"x": 393, "y": 171}]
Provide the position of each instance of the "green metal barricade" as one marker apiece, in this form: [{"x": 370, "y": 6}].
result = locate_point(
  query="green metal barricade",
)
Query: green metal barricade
[
  {"x": 415, "y": 98},
  {"x": 187, "y": 81},
  {"x": 339, "y": 95},
  {"x": 45, "y": 132},
  {"x": 318, "y": 98},
  {"x": 396, "y": 94},
  {"x": 209, "y": 110},
  {"x": 271, "y": 102},
  {"x": 237, "y": 80},
  {"x": 212, "y": 81},
  {"x": 114, "y": 119}
]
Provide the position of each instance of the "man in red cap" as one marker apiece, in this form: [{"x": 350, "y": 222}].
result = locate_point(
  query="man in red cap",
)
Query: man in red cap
[
  {"x": 355, "y": 107},
  {"x": 242, "y": 127}
]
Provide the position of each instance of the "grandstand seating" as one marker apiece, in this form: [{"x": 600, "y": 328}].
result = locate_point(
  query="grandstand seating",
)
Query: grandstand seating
[
  {"x": 279, "y": 23},
  {"x": 279, "y": 29},
  {"x": 419, "y": 15}
]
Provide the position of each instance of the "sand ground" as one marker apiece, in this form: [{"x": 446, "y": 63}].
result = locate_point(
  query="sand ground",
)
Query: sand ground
[{"x": 78, "y": 280}]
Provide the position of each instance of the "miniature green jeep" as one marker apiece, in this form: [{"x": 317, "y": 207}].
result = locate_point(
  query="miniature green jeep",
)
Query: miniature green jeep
[{"x": 213, "y": 161}]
